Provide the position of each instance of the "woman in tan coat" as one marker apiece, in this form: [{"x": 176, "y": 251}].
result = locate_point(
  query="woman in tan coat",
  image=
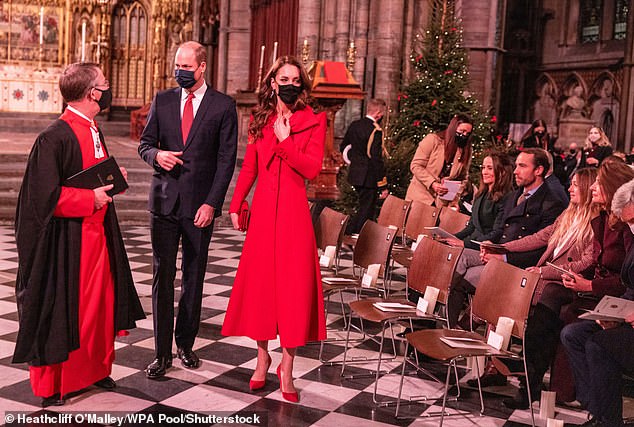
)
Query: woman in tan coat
[{"x": 440, "y": 156}]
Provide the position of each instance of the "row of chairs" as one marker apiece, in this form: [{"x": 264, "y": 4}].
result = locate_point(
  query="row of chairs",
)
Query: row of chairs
[{"x": 504, "y": 290}]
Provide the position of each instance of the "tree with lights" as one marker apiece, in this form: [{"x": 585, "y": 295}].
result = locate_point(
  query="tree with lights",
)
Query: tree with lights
[
  {"x": 438, "y": 90},
  {"x": 427, "y": 103}
]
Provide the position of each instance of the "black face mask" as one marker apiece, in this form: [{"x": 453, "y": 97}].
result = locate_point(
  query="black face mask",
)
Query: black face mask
[
  {"x": 540, "y": 134},
  {"x": 461, "y": 140},
  {"x": 288, "y": 93},
  {"x": 185, "y": 78},
  {"x": 573, "y": 151},
  {"x": 106, "y": 99}
]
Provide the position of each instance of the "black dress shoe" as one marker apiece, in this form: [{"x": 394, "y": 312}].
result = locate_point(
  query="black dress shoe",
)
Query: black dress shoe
[
  {"x": 157, "y": 368},
  {"x": 520, "y": 401},
  {"x": 54, "y": 400},
  {"x": 188, "y": 358},
  {"x": 488, "y": 380},
  {"x": 106, "y": 383}
]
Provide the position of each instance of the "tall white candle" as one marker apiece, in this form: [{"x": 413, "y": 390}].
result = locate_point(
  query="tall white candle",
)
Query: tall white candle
[
  {"x": 505, "y": 328},
  {"x": 262, "y": 56},
  {"x": 42, "y": 25},
  {"x": 274, "y": 51},
  {"x": 431, "y": 295},
  {"x": 83, "y": 41},
  {"x": 305, "y": 42}
]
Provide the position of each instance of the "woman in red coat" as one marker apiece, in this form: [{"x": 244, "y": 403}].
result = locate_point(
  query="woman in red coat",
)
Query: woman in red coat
[{"x": 277, "y": 289}]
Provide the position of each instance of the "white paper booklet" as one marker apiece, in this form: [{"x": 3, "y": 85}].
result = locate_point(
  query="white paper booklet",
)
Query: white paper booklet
[{"x": 610, "y": 309}]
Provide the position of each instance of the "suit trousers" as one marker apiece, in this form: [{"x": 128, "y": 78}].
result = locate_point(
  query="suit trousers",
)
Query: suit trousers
[
  {"x": 367, "y": 206},
  {"x": 598, "y": 358},
  {"x": 468, "y": 270},
  {"x": 167, "y": 232}
]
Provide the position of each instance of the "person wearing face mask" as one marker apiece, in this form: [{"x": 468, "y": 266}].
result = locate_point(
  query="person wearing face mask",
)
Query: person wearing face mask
[
  {"x": 277, "y": 290},
  {"x": 440, "y": 156},
  {"x": 536, "y": 137},
  {"x": 366, "y": 171},
  {"x": 74, "y": 287},
  {"x": 597, "y": 146},
  {"x": 191, "y": 141}
]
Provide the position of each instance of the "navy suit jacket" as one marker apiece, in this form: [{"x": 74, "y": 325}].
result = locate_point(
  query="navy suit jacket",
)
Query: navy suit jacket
[
  {"x": 536, "y": 212},
  {"x": 364, "y": 171},
  {"x": 209, "y": 154}
]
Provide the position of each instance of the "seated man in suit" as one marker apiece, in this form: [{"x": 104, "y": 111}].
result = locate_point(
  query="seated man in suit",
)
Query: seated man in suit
[
  {"x": 600, "y": 352},
  {"x": 529, "y": 209}
]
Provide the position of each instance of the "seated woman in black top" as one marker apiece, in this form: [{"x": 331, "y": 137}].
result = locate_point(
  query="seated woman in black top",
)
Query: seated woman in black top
[{"x": 496, "y": 183}]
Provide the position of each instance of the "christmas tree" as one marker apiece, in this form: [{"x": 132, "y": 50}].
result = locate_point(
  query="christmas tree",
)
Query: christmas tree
[{"x": 437, "y": 92}]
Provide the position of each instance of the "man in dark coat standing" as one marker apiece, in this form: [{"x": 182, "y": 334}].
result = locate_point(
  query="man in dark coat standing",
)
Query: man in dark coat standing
[
  {"x": 366, "y": 171},
  {"x": 74, "y": 287},
  {"x": 191, "y": 141}
]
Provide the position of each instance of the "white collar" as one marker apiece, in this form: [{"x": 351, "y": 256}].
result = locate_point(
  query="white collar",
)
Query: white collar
[
  {"x": 80, "y": 114},
  {"x": 198, "y": 93}
]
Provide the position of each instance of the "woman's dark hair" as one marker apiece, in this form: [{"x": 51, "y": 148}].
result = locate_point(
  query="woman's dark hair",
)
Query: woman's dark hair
[
  {"x": 503, "y": 172},
  {"x": 267, "y": 100},
  {"x": 449, "y": 137},
  {"x": 528, "y": 139}
]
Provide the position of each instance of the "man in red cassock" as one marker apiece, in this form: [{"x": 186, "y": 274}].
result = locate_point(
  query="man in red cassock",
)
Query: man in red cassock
[{"x": 74, "y": 286}]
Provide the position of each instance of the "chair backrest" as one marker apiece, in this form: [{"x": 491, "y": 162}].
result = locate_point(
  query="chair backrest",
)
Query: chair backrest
[
  {"x": 505, "y": 290},
  {"x": 373, "y": 245},
  {"x": 420, "y": 216},
  {"x": 433, "y": 264},
  {"x": 329, "y": 228},
  {"x": 452, "y": 221},
  {"x": 393, "y": 212}
]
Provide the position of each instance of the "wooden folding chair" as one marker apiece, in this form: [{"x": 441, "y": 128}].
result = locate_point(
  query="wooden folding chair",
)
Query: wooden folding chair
[
  {"x": 373, "y": 247},
  {"x": 329, "y": 230},
  {"x": 419, "y": 217},
  {"x": 452, "y": 221},
  {"x": 503, "y": 290},
  {"x": 433, "y": 264},
  {"x": 393, "y": 212}
]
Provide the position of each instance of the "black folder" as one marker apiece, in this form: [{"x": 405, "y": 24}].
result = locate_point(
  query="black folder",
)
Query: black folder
[{"x": 103, "y": 173}]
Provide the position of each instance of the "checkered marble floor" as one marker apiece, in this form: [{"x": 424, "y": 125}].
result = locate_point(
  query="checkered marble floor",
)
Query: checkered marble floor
[{"x": 221, "y": 383}]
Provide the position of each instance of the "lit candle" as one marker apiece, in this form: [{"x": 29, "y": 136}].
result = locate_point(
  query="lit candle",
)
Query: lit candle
[
  {"x": 42, "y": 25},
  {"x": 352, "y": 45},
  {"x": 83, "y": 41},
  {"x": 262, "y": 57},
  {"x": 274, "y": 51},
  {"x": 305, "y": 42}
]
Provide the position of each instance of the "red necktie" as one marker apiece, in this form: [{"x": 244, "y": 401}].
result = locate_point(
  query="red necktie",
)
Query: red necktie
[{"x": 188, "y": 116}]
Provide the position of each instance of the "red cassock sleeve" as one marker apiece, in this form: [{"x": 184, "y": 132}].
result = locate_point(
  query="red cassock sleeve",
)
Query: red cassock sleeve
[{"x": 75, "y": 203}]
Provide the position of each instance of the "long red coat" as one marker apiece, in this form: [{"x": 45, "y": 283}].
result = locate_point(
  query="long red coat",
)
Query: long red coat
[{"x": 277, "y": 289}]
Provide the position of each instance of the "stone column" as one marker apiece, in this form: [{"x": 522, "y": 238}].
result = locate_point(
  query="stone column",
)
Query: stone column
[
  {"x": 237, "y": 34},
  {"x": 626, "y": 118},
  {"x": 308, "y": 23},
  {"x": 387, "y": 47}
]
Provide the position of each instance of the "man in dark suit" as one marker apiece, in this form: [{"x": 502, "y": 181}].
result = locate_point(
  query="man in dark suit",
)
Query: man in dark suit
[
  {"x": 529, "y": 209},
  {"x": 366, "y": 171},
  {"x": 190, "y": 140}
]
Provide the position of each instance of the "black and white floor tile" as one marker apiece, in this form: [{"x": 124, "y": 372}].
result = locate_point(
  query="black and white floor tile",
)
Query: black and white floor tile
[{"x": 221, "y": 383}]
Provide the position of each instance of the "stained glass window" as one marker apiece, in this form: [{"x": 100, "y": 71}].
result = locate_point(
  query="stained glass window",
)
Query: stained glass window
[
  {"x": 590, "y": 20},
  {"x": 621, "y": 9}
]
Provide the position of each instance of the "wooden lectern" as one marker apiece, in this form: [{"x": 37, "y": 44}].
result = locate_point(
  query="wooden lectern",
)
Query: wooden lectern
[{"x": 332, "y": 85}]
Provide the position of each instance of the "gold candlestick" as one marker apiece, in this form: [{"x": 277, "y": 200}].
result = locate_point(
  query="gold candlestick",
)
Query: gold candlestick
[
  {"x": 305, "y": 52},
  {"x": 351, "y": 56}
]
